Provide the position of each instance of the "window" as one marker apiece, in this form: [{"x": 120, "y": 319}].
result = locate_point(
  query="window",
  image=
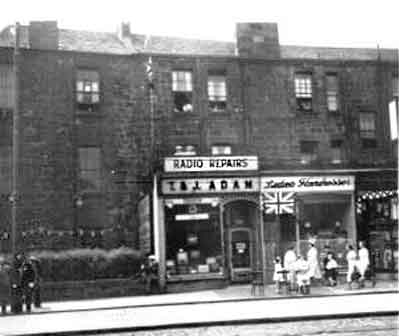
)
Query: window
[
  {"x": 193, "y": 239},
  {"x": 185, "y": 150},
  {"x": 217, "y": 92},
  {"x": 308, "y": 151},
  {"x": 221, "y": 150},
  {"x": 367, "y": 129},
  {"x": 332, "y": 92},
  {"x": 5, "y": 168},
  {"x": 90, "y": 168},
  {"x": 6, "y": 87},
  {"x": 395, "y": 86},
  {"x": 182, "y": 88},
  {"x": 303, "y": 91},
  {"x": 87, "y": 87},
  {"x": 336, "y": 151}
]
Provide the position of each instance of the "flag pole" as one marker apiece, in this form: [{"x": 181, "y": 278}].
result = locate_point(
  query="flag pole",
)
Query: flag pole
[{"x": 15, "y": 142}]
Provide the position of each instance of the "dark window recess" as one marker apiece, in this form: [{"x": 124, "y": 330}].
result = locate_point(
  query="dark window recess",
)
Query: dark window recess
[
  {"x": 369, "y": 143},
  {"x": 303, "y": 92},
  {"x": 308, "y": 151},
  {"x": 182, "y": 88},
  {"x": 87, "y": 88},
  {"x": 336, "y": 151}
]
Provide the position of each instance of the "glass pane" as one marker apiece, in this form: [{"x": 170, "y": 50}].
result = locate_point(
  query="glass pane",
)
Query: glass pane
[
  {"x": 79, "y": 86},
  {"x": 94, "y": 86},
  {"x": 95, "y": 98}
]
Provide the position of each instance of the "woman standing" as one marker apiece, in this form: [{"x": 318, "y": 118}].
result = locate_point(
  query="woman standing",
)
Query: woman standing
[
  {"x": 351, "y": 258},
  {"x": 313, "y": 260},
  {"x": 364, "y": 261}
]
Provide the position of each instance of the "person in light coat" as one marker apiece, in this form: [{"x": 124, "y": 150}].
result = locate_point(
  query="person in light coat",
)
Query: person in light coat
[
  {"x": 351, "y": 259},
  {"x": 289, "y": 264},
  {"x": 302, "y": 268},
  {"x": 313, "y": 260},
  {"x": 364, "y": 260}
]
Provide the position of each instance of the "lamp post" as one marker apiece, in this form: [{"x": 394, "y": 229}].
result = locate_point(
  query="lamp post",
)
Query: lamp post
[{"x": 78, "y": 203}]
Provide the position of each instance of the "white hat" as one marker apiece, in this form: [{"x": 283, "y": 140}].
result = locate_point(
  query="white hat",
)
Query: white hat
[{"x": 312, "y": 241}]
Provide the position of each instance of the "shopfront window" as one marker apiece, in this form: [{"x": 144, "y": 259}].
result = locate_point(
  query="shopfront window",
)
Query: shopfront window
[
  {"x": 193, "y": 239},
  {"x": 378, "y": 216}
]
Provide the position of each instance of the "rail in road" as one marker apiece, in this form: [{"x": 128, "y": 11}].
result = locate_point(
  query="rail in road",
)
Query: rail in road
[{"x": 200, "y": 314}]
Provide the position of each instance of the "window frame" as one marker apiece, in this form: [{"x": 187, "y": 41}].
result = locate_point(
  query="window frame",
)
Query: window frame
[
  {"x": 308, "y": 156},
  {"x": 219, "y": 146},
  {"x": 92, "y": 96},
  {"x": 84, "y": 172},
  {"x": 368, "y": 136},
  {"x": 182, "y": 96},
  {"x": 217, "y": 101},
  {"x": 7, "y": 86},
  {"x": 303, "y": 89},
  {"x": 336, "y": 146},
  {"x": 332, "y": 92}
]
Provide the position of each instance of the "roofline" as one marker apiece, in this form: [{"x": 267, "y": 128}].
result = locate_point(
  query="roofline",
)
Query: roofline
[{"x": 230, "y": 57}]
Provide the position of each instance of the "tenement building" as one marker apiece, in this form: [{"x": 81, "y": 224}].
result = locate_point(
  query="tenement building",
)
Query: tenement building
[{"x": 217, "y": 156}]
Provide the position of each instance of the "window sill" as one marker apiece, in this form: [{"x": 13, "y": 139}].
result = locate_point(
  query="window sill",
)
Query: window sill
[{"x": 195, "y": 277}]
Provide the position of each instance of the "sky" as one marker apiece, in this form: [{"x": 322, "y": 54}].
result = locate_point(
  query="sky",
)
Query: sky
[{"x": 335, "y": 23}]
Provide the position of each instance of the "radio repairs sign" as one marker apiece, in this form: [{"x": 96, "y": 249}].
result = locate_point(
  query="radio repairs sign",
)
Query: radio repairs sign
[
  {"x": 210, "y": 185},
  {"x": 210, "y": 163},
  {"x": 308, "y": 183}
]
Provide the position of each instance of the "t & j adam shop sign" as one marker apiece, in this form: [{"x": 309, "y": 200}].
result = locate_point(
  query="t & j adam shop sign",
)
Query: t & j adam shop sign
[
  {"x": 211, "y": 163},
  {"x": 308, "y": 183},
  {"x": 210, "y": 185}
]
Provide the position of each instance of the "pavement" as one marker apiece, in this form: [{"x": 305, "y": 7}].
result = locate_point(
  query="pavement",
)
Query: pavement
[{"x": 231, "y": 305}]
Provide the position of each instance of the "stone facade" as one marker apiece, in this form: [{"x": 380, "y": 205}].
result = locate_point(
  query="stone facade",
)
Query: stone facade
[{"x": 260, "y": 118}]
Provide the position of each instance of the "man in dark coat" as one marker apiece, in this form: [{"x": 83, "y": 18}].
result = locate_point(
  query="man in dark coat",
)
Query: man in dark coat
[
  {"x": 16, "y": 290},
  {"x": 37, "y": 301},
  {"x": 5, "y": 288},
  {"x": 28, "y": 279}
]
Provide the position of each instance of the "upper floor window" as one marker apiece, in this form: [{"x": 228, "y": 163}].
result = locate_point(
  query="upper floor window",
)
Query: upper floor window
[
  {"x": 221, "y": 150},
  {"x": 6, "y": 86},
  {"x": 308, "y": 151},
  {"x": 395, "y": 86},
  {"x": 336, "y": 151},
  {"x": 367, "y": 128},
  {"x": 182, "y": 87},
  {"x": 332, "y": 92},
  {"x": 185, "y": 150},
  {"x": 303, "y": 91},
  {"x": 87, "y": 87},
  {"x": 217, "y": 92},
  {"x": 90, "y": 168},
  {"x": 5, "y": 168}
]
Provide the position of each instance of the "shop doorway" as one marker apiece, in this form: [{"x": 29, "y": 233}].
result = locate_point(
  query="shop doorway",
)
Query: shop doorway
[{"x": 241, "y": 219}]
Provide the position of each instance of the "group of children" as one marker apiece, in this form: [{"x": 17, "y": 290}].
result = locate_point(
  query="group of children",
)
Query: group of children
[{"x": 298, "y": 271}]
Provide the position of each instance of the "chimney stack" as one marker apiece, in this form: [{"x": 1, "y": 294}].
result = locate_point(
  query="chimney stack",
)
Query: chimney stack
[
  {"x": 124, "y": 30},
  {"x": 43, "y": 35},
  {"x": 258, "y": 39}
]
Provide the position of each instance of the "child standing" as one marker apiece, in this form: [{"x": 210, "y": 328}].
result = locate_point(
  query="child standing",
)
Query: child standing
[{"x": 278, "y": 276}]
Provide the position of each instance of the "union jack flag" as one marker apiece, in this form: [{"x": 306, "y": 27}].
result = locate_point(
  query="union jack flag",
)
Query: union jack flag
[{"x": 278, "y": 202}]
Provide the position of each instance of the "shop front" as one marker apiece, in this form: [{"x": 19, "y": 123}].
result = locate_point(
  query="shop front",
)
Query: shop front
[
  {"x": 298, "y": 209},
  {"x": 377, "y": 218},
  {"x": 209, "y": 213}
]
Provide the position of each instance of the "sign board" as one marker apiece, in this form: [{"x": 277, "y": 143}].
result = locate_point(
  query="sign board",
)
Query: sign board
[
  {"x": 210, "y": 163},
  {"x": 210, "y": 185},
  {"x": 187, "y": 217},
  {"x": 308, "y": 183},
  {"x": 143, "y": 210}
]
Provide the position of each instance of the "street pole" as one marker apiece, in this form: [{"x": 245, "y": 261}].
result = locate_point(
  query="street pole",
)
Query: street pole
[
  {"x": 297, "y": 233},
  {"x": 15, "y": 142},
  {"x": 262, "y": 237}
]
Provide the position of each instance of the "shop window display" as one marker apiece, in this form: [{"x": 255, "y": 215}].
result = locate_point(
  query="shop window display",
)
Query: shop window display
[
  {"x": 193, "y": 239},
  {"x": 378, "y": 215}
]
